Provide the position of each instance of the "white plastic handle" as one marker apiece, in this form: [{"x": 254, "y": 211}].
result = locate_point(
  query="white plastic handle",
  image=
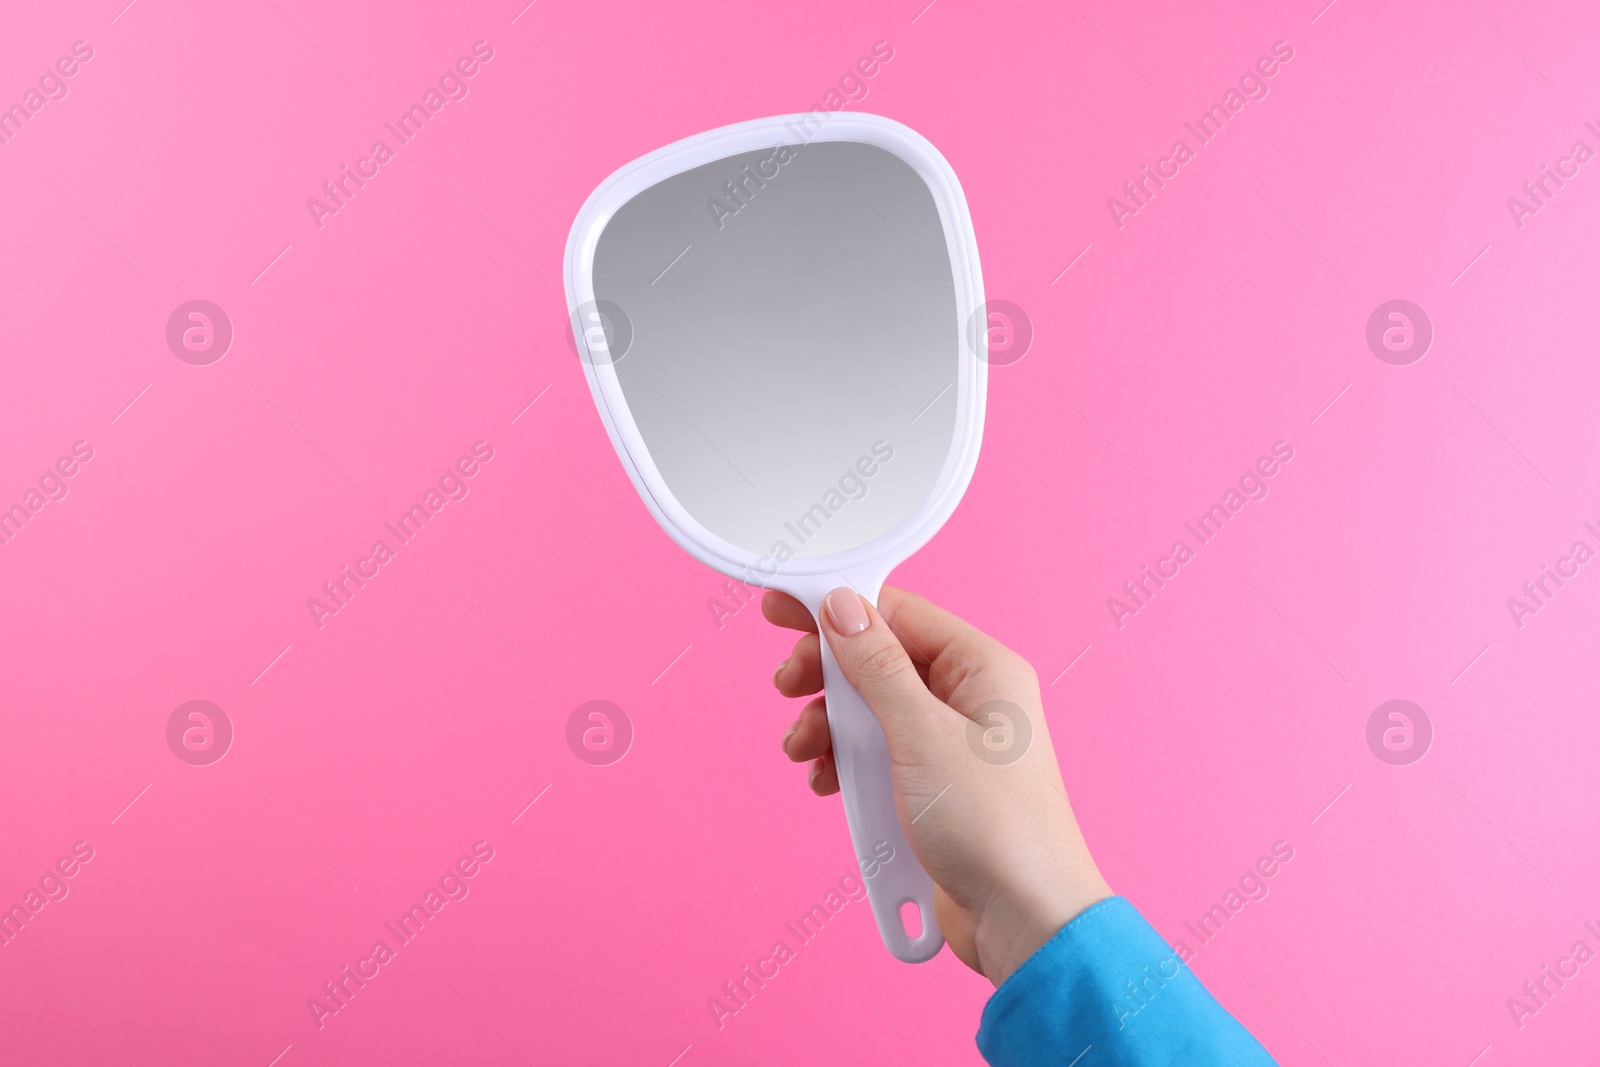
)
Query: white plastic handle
[{"x": 889, "y": 868}]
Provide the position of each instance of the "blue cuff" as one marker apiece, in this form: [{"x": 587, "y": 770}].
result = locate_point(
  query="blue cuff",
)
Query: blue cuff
[{"x": 1107, "y": 990}]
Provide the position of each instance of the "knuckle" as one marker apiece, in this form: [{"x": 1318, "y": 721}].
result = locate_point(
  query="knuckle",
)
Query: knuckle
[
  {"x": 883, "y": 663},
  {"x": 1008, "y": 663}
]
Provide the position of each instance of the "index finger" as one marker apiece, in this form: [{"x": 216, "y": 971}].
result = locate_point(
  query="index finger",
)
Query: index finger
[{"x": 781, "y": 609}]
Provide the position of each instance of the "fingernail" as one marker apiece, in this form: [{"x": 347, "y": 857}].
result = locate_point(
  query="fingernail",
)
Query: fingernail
[
  {"x": 777, "y": 672},
  {"x": 816, "y": 772},
  {"x": 845, "y": 611},
  {"x": 790, "y": 736}
]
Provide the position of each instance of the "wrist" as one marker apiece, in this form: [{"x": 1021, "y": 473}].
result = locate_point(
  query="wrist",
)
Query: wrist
[{"x": 1014, "y": 928}]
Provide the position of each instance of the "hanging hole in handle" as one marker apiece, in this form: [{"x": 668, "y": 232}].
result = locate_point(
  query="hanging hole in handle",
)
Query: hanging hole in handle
[{"x": 911, "y": 919}]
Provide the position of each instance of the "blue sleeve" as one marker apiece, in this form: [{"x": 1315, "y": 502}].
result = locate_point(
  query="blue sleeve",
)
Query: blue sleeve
[{"x": 1106, "y": 991}]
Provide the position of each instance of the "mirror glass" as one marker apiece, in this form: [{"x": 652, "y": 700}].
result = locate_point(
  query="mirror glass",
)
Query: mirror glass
[{"x": 793, "y": 342}]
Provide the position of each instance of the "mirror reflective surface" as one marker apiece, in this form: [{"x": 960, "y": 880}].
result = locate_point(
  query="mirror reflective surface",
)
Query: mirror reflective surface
[{"x": 794, "y": 342}]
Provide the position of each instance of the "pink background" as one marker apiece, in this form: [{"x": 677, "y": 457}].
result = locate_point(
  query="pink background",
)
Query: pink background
[{"x": 425, "y": 716}]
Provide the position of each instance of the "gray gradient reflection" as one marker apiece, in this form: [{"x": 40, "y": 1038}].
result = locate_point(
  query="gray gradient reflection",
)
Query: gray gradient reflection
[{"x": 794, "y": 353}]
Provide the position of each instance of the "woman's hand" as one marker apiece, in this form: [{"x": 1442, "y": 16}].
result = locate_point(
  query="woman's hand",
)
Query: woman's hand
[{"x": 976, "y": 783}]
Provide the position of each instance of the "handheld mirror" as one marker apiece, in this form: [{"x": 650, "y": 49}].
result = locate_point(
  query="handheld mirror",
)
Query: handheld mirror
[{"x": 773, "y": 318}]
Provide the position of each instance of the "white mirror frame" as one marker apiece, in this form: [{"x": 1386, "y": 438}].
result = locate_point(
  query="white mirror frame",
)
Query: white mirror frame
[{"x": 899, "y": 542}]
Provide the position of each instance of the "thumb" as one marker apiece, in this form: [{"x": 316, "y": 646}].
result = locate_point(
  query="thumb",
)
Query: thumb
[{"x": 872, "y": 659}]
